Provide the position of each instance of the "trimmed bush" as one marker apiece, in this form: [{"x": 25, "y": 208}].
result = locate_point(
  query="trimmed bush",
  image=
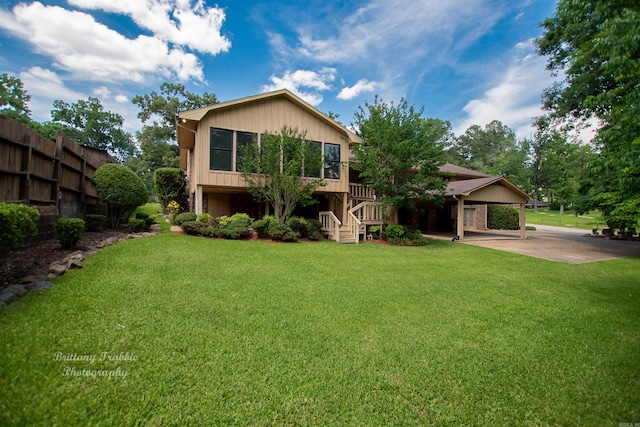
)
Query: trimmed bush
[
  {"x": 121, "y": 189},
  {"x": 393, "y": 231},
  {"x": 94, "y": 222},
  {"x": 282, "y": 232},
  {"x": 185, "y": 217},
  {"x": 149, "y": 220},
  {"x": 204, "y": 218},
  {"x": 17, "y": 222},
  {"x": 137, "y": 225},
  {"x": 69, "y": 231},
  {"x": 237, "y": 229},
  {"x": 299, "y": 225},
  {"x": 501, "y": 217},
  {"x": 193, "y": 228},
  {"x": 374, "y": 230},
  {"x": 212, "y": 231},
  {"x": 261, "y": 226}
]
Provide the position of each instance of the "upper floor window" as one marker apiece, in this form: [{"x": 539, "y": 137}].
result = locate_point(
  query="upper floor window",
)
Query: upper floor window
[
  {"x": 332, "y": 161},
  {"x": 221, "y": 157},
  {"x": 317, "y": 146},
  {"x": 243, "y": 142}
]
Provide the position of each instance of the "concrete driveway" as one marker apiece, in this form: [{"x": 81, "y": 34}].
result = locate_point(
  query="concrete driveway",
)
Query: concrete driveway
[{"x": 569, "y": 245}]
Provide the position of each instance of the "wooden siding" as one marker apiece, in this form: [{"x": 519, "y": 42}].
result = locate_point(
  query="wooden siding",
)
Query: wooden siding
[
  {"x": 495, "y": 194},
  {"x": 267, "y": 115}
]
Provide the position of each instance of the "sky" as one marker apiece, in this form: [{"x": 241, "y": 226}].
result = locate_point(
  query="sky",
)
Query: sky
[{"x": 465, "y": 61}]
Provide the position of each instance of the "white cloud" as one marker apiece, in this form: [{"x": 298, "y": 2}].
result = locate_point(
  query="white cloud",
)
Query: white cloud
[
  {"x": 514, "y": 98},
  {"x": 193, "y": 25},
  {"x": 101, "y": 92},
  {"x": 121, "y": 98},
  {"x": 297, "y": 80},
  {"x": 363, "y": 85},
  {"x": 91, "y": 50},
  {"x": 45, "y": 86},
  {"x": 395, "y": 42}
]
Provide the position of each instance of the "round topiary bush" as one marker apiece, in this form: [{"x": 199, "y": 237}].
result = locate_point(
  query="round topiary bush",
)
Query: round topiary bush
[
  {"x": 185, "y": 217},
  {"x": 121, "y": 189}
]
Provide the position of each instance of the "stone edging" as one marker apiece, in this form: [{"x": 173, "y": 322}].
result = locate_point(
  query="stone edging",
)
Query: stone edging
[{"x": 58, "y": 268}]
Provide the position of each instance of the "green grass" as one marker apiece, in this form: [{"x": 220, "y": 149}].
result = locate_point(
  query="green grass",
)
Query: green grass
[
  {"x": 217, "y": 332},
  {"x": 545, "y": 216}
]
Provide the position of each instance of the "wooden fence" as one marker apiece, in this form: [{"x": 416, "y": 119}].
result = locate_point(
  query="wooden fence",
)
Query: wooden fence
[{"x": 52, "y": 176}]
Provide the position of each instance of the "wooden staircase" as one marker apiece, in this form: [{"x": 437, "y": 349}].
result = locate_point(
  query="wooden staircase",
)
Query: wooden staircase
[{"x": 362, "y": 210}]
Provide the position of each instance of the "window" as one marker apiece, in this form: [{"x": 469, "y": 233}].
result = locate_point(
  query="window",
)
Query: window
[
  {"x": 314, "y": 173},
  {"x": 221, "y": 157},
  {"x": 332, "y": 161},
  {"x": 243, "y": 140}
]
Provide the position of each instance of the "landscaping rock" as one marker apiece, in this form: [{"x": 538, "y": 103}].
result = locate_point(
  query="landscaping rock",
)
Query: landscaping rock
[
  {"x": 7, "y": 298},
  {"x": 76, "y": 256},
  {"x": 110, "y": 241},
  {"x": 38, "y": 286},
  {"x": 73, "y": 264},
  {"x": 32, "y": 279},
  {"x": 17, "y": 290},
  {"x": 57, "y": 269}
]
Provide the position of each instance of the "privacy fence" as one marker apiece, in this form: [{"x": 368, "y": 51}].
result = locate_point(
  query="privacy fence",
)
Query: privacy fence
[{"x": 52, "y": 176}]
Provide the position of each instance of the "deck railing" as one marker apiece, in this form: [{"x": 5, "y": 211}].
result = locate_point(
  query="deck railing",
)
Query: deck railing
[
  {"x": 360, "y": 192},
  {"x": 368, "y": 212},
  {"x": 331, "y": 224}
]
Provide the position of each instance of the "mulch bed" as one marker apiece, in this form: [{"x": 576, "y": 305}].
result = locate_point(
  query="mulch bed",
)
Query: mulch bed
[{"x": 35, "y": 259}]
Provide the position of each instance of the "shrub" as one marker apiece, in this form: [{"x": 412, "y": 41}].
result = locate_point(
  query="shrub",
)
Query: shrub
[
  {"x": 212, "y": 231},
  {"x": 149, "y": 220},
  {"x": 223, "y": 221},
  {"x": 500, "y": 217},
  {"x": 121, "y": 189},
  {"x": 237, "y": 229},
  {"x": 17, "y": 222},
  {"x": 204, "y": 218},
  {"x": 416, "y": 238},
  {"x": 94, "y": 222},
  {"x": 374, "y": 230},
  {"x": 393, "y": 231},
  {"x": 193, "y": 228},
  {"x": 170, "y": 186},
  {"x": 314, "y": 229},
  {"x": 282, "y": 232},
  {"x": 299, "y": 225},
  {"x": 69, "y": 231},
  {"x": 260, "y": 226},
  {"x": 137, "y": 225},
  {"x": 554, "y": 205},
  {"x": 185, "y": 217}
]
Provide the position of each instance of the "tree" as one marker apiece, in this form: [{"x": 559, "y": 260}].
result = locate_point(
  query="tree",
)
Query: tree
[
  {"x": 493, "y": 150},
  {"x": 170, "y": 185},
  {"x": 278, "y": 171},
  {"x": 401, "y": 153},
  {"x": 172, "y": 99},
  {"x": 88, "y": 124},
  {"x": 14, "y": 99},
  {"x": 121, "y": 189},
  {"x": 596, "y": 45}
]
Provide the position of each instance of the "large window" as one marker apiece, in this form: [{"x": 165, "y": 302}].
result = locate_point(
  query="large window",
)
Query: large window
[
  {"x": 243, "y": 141},
  {"x": 317, "y": 146},
  {"x": 221, "y": 157},
  {"x": 332, "y": 161}
]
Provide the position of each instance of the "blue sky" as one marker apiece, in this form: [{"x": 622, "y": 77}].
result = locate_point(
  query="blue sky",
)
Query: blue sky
[{"x": 466, "y": 61}]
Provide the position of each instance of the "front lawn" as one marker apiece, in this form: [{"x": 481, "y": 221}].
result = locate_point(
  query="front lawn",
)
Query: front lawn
[{"x": 195, "y": 331}]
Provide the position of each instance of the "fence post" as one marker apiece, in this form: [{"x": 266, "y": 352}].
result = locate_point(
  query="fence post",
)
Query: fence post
[
  {"x": 26, "y": 168},
  {"x": 57, "y": 169}
]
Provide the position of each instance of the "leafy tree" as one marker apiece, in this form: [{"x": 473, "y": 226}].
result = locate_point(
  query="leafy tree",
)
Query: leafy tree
[
  {"x": 155, "y": 152},
  {"x": 172, "y": 99},
  {"x": 14, "y": 99},
  {"x": 401, "y": 153},
  {"x": 493, "y": 150},
  {"x": 158, "y": 148},
  {"x": 275, "y": 171},
  {"x": 88, "y": 124},
  {"x": 595, "y": 44},
  {"x": 121, "y": 189},
  {"x": 170, "y": 184}
]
